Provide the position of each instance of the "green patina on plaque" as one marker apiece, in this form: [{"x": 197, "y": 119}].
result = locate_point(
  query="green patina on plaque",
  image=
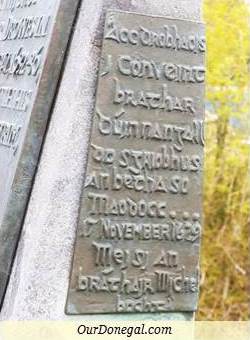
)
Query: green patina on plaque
[{"x": 138, "y": 238}]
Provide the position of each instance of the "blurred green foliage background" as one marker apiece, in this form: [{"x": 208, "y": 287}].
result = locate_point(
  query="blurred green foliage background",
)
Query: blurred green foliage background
[{"x": 225, "y": 244}]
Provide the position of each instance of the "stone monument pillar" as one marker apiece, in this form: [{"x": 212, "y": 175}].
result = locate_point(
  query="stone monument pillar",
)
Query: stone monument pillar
[{"x": 41, "y": 273}]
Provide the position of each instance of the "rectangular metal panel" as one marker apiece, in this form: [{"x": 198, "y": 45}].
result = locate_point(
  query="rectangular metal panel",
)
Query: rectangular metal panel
[
  {"x": 33, "y": 39},
  {"x": 138, "y": 238}
]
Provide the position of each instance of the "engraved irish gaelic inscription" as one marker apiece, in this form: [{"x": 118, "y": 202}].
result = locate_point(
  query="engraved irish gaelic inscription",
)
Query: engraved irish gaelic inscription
[
  {"x": 33, "y": 38},
  {"x": 138, "y": 238}
]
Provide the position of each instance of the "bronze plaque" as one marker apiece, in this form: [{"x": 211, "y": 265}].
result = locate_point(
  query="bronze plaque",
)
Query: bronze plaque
[
  {"x": 33, "y": 39},
  {"x": 138, "y": 238}
]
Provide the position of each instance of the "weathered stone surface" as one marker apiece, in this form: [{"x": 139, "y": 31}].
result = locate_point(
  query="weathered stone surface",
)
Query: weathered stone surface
[
  {"x": 33, "y": 39},
  {"x": 137, "y": 247},
  {"x": 40, "y": 277}
]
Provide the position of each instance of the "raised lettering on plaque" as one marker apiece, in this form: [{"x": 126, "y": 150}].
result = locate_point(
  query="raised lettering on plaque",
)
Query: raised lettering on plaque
[
  {"x": 33, "y": 39},
  {"x": 138, "y": 239}
]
